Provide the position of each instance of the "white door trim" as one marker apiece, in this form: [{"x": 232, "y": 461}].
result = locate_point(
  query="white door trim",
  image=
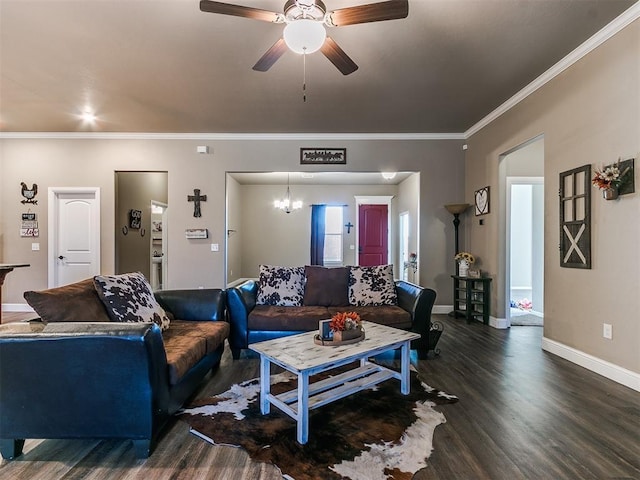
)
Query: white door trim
[{"x": 52, "y": 222}]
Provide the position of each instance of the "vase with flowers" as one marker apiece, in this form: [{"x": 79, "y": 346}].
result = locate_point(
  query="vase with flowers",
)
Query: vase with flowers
[
  {"x": 609, "y": 179},
  {"x": 346, "y": 326},
  {"x": 465, "y": 260}
]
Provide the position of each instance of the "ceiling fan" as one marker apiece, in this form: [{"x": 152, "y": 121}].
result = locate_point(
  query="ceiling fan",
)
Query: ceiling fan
[{"x": 305, "y": 26}]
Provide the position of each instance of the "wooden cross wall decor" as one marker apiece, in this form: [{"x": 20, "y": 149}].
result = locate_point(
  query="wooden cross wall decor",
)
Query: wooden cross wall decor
[
  {"x": 575, "y": 218},
  {"x": 196, "y": 198},
  {"x": 349, "y": 227}
]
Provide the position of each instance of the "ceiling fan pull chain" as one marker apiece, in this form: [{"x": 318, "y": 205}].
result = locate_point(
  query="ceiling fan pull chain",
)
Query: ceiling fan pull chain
[{"x": 304, "y": 76}]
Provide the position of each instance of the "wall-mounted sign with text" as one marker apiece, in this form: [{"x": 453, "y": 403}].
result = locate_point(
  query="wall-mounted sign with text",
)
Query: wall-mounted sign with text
[{"x": 29, "y": 225}]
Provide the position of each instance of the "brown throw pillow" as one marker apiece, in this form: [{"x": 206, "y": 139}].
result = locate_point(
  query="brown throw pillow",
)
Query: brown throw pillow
[
  {"x": 77, "y": 302},
  {"x": 328, "y": 287}
]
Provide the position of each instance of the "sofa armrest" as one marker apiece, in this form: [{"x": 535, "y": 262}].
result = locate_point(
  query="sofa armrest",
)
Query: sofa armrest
[
  {"x": 82, "y": 380},
  {"x": 418, "y": 301},
  {"x": 195, "y": 304},
  {"x": 241, "y": 300}
]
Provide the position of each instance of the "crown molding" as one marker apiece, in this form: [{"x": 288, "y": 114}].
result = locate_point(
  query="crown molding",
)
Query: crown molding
[
  {"x": 231, "y": 136},
  {"x": 615, "y": 26}
]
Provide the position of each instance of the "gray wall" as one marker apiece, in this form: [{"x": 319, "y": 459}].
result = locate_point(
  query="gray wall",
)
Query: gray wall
[
  {"x": 590, "y": 114},
  {"x": 92, "y": 162}
]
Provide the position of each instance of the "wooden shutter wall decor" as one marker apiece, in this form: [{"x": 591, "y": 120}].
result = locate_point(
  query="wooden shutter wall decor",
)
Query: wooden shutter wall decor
[{"x": 575, "y": 218}]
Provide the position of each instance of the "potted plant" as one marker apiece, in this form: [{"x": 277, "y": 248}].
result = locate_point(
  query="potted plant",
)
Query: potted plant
[
  {"x": 609, "y": 180},
  {"x": 345, "y": 326},
  {"x": 465, "y": 260}
]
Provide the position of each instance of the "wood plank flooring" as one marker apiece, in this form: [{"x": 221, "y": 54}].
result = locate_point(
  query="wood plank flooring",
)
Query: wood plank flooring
[{"x": 522, "y": 414}]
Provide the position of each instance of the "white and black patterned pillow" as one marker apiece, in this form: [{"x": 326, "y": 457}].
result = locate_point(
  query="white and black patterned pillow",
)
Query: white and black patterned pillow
[
  {"x": 369, "y": 286},
  {"x": 281, "y": 286},
  {"x": 129, "y": 298}
]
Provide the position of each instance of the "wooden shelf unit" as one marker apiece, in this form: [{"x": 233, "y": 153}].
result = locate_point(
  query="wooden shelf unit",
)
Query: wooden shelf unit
[{"x": 472, "y": 298}]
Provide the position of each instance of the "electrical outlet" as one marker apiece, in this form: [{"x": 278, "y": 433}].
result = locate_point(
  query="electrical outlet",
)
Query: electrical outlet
[{"x": 607, "y": 331}]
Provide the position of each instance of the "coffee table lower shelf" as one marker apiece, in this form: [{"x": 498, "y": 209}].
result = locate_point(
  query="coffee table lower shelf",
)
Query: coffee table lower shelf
[{"x": 334, "y": 388}]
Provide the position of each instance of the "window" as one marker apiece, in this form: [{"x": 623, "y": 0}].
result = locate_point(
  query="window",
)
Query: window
[{"x": 333, "y": 236}]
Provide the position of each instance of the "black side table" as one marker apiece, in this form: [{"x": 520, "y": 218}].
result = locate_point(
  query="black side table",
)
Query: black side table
[{"x": 472, "y": 298}]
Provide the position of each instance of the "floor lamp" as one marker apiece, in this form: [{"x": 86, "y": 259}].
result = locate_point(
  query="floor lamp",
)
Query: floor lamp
[{"x": 456, "y": 209}]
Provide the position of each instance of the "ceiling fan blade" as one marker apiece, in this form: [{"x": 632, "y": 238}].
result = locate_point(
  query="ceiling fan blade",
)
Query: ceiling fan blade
[
  {"x": 271, "y": 56},
  {"x": 372, "y": 12},
  {"x": 211, "y": 6},
  {"x": 336, "y": 55}
]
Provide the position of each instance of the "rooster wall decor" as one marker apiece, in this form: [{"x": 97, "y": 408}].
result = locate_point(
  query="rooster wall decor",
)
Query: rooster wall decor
[{"x": 29, "y": 194}]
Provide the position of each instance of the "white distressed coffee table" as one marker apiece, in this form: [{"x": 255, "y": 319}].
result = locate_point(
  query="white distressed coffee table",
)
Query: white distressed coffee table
[{"x": 301, "y": 356}]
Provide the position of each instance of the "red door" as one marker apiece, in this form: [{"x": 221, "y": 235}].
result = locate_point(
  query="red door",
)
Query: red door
[{"x": 373, "y": 234}]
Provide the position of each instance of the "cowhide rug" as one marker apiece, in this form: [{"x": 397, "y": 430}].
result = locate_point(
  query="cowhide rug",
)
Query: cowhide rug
[{"x": 377, "y": 434}]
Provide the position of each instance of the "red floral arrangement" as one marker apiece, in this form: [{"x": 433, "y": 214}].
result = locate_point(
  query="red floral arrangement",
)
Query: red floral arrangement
[{"x": 345, "y": 321}]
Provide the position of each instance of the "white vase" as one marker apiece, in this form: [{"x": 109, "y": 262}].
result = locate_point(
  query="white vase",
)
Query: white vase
[{"x": 463, "y": 268}]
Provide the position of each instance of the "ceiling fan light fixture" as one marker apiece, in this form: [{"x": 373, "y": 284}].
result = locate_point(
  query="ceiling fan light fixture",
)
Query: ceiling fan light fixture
[{"x": 304, "y": 36}]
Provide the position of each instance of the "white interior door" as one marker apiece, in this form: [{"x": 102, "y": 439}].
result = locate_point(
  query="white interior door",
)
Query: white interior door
[{"x": 74, "y": 234}]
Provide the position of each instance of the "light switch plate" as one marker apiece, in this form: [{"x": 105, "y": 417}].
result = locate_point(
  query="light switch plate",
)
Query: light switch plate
[
  {"x": 215, "y": 247},
  {"x": 35, "y": 247}
]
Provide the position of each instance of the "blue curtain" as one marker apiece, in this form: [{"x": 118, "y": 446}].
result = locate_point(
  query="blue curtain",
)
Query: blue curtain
[{"x": 317, "y": 234}]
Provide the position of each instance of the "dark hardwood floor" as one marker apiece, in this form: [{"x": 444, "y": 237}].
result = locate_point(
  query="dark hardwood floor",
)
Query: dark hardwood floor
[{"x": 522, "y": 414}]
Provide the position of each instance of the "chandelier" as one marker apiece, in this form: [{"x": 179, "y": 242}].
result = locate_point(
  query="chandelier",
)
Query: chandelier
[{"x": 286, "y": 204}]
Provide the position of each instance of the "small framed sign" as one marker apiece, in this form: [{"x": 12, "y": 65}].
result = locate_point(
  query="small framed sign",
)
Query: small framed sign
[
  {"x": 323, "y": 156},
  {"x": 481, "y": 200},
  {"x": 135, "y": 219},
  {"x": 196, "y": 233}
]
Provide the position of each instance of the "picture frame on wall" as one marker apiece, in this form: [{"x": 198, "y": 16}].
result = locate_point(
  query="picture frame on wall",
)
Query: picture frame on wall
[{"x": 481, "y": 201}]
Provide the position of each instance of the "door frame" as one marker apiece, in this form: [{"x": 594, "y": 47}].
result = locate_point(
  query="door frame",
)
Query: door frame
[
  {"x": 52, "y": 222},
  {"x": 374, "y": 200}
]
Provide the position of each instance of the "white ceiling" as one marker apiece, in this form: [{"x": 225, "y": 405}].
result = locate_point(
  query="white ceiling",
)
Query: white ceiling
[{"x": 163, "y": 66}]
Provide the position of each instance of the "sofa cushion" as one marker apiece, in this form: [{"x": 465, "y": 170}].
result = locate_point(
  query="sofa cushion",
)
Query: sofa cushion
[
  {"x": 77, "y": 302},
  {"x": 274, "y": 318},
  {"x": 390, "y": 315},
  {"x": 129, "y": 298},
  {"x": 283, "y": 286},
  {"x": 326, "y": 286},
  {"x": 187, "y": 342},
  {"x": 369, "y": 286}
]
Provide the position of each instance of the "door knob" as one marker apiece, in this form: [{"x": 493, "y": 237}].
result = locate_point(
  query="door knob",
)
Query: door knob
[{"x": 61, "y": 257}]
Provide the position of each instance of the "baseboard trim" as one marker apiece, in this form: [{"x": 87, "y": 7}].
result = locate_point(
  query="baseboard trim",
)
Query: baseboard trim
[
  {"x": 607, "y": 369},
  {"x": 16, "y": 307},
  {"x": 441, "y": 309},
  {"x": 500, "y": 323}
]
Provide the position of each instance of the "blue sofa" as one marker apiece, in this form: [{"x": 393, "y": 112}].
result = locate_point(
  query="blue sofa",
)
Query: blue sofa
[
  {"x": 252, "y": 323},
  {"x": 107, "y": 380}
]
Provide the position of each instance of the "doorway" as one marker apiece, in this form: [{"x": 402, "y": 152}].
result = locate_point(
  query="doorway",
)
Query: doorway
[
  {"x": 74, "y": 234},
  {"x": 134, "y": 193},
  {"x": 523, "y": 169},
  {"x": 525, "y": 198},
  {"x": 158, "y": 238}
]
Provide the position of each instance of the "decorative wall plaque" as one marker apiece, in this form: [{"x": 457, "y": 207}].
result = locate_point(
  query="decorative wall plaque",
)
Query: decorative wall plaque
[
  {"x": 481, "y": 200},
  {"x": 575, "y": 218},
  {"x": 323, "y": 156},
  {"x": 135, "y": 219}
]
